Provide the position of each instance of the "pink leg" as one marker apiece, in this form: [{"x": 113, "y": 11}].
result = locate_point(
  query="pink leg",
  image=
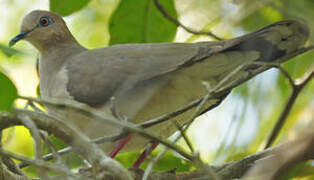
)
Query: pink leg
[
  {"x": 119, "y": 146},
  {"x": 142, "y": 157}
]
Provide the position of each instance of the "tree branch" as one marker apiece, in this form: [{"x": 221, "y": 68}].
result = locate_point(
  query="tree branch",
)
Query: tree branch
[
  {"x": 80, "y": 143},
  {"x": 6, "y": 174},
  {"x": 296, "y": 89},
  {"x": 178, "y": 23}
]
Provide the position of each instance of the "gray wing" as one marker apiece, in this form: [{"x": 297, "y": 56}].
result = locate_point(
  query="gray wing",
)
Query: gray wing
[{"x": 97, "y": 75}]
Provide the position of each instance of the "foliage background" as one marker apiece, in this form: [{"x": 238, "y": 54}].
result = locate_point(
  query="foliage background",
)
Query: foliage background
[{"x": 238, "y": 127}]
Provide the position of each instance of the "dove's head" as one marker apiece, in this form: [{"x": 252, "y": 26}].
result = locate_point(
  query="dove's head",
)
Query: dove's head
[{"x": 43, "y": 29}]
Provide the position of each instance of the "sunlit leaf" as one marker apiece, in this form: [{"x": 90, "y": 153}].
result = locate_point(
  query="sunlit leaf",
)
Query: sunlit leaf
[
  {"x": 170, "y": 161},
  {"x": 67, "y": 7},
  {"x": 207, "y": 27},
  {"x": 9, "y": 51},
  {"x": 300, "y": 65},
  {"x": 258, "y": 19},
  {"x": 139, "y": 21},
  {"x": 8, "y": 92}
]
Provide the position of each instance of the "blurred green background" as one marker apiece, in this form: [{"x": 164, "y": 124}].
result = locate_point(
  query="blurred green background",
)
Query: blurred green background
[{"x": 235, "y": 129}]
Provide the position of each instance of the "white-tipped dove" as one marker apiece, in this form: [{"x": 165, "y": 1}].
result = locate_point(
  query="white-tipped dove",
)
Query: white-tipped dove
[{"x": 147, "y": 80}]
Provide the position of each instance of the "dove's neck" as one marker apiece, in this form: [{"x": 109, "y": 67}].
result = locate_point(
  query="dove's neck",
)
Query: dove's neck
[
  {"x": 51, "y": 65},
  {"x": 56, "y": 54},
  {"x": 58, "y": 45}
]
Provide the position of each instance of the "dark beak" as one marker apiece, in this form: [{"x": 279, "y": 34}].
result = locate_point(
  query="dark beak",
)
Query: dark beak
[{"x": 20, "y": 36}]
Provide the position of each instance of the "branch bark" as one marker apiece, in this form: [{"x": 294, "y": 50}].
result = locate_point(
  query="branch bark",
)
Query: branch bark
[
  {"x": 9, "y": 175},
  {"x": 79, "y": 142},
  {"x": 288, "y": 154}
]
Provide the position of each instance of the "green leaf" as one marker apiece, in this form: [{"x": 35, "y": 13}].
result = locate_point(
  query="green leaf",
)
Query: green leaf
[
  {"x": 303, "y": 170},
  {"x": 38, "y": 91},
  {"x": 168, "y": 162},
  {"x": 263, "y": 17},
  {"x": 8, "y": 93},
  {"x": 67, "y": 7},
  {"x": 9, "y": 51},
  {"x": 139, "y": 21}
]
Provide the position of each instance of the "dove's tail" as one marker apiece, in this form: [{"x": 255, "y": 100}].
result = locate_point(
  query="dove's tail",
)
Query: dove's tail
[{"x": 273, "y": 41}]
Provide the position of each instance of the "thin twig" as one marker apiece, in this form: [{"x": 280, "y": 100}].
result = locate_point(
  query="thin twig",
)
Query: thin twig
[
  {"x": 81, "y": 143},
  {"x": 31, "y": 104},
  {"x": 178, "y": 23},
  {"x": 296, "y": 89},
  {"x": 113, "y": 138},
  {"x": 211, "y": 93},
  {"x": 186, "y": 139},
  {"x": 194, "y": 159},
  {"x": 53, "y": 150},
  {"x": 152, "y": 163},
  {"x": 26, "y": 120},
  {"x": 69, "y": 149},
  {"x": 7, "y": 174},
  {"x": 34, "y": 132},
  {"x": 12, "y": 166},
  {"x": 49, "y": 156},
  {"x": 38, "y": 163},
  {"x": 278, "y": 66},
  {"x": 170, "y": 115},
  {"x": 157, "y": 158},
  {"x": 59, "y": 160}
]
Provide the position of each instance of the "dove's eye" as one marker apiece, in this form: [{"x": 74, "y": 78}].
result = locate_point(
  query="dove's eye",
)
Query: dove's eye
[{"x": 45, "y": 21}]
